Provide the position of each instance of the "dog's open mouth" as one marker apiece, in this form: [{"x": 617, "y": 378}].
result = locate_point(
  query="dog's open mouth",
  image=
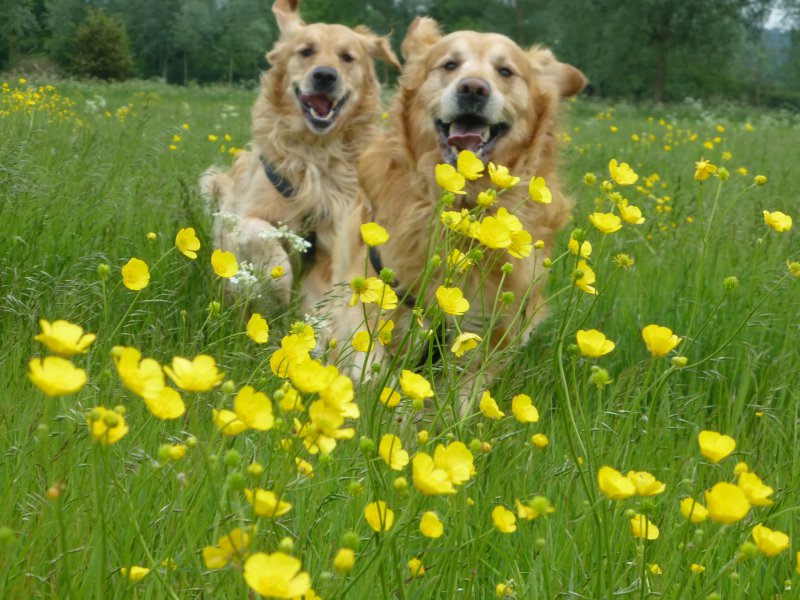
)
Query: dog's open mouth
[
  {"x": 321, "y": 110},
  {"x": 469, "y": 132}
]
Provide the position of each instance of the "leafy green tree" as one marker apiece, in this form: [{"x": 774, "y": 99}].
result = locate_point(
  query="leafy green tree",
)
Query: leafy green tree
[
  {"x": 18, "y": 29},
  {"x": 102, "y": 48}
]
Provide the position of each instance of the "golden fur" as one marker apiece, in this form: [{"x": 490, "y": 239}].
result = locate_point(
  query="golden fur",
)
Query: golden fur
[
  {"x": 396, "y": 172},
  {"x": 320, "y": 164}
]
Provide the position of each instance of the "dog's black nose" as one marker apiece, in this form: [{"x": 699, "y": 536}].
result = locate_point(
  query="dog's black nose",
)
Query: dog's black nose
[
  {"x": 473, "y": 86},
  {"x": 324, "y": 78},
  {"x": 473, "y": 94}
]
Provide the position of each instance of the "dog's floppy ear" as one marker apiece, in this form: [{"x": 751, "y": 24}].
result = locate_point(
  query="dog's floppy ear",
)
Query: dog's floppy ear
[
  {"x": 568, "y": 80},
  {"x": 378, "y": 47},
  {"x": 422, "y": 34},
  {"x": 287, "y": 14}
]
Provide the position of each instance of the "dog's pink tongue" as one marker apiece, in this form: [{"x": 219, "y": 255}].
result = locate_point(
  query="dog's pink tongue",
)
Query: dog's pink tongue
[
  {"x": 465, "y": 137},
  {"x": 321, "y": 104}
]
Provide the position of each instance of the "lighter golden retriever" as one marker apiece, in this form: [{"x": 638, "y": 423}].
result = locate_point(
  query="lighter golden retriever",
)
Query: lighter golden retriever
[
  {"x": 317, "y": 110},
  {"x": 479, "y": 92}
]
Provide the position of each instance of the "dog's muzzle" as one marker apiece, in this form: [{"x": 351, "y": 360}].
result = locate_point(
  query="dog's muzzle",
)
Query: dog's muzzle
[
  {"x": 470, "y": 128},
  {"x": 322, "y": 100}
]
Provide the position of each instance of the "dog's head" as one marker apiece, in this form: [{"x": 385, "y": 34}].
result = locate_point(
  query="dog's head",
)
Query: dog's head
[
  {"x": 480, "y": 91},
  {"x": 323, "y": 70}
]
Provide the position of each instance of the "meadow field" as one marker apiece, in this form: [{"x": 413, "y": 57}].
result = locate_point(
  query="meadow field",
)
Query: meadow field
[{"x": 575, "y": 495}]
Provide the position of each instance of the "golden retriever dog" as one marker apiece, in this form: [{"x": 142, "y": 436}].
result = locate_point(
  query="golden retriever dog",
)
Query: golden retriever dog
[
  {"x": 479, "y": 92},
  {"x": 295, "y": 191}
]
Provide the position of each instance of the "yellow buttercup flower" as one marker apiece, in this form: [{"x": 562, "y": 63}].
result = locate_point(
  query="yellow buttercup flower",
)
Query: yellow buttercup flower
[
  {"x": 523, "y": 409},
  {"x": 106, "y": 426},
  {"x": 585, "y": 247},
  {"x": 135, "y": 573},
  {"x": 614, "y": 484},
  {"x": 428, "y": 478},
  {"x": 258, "y": 329},
  {"x": 646, "y": 484},
  {"x": 693, "y": 511},
  {"x": 224, "y": 263},
  {"x": 494, "y": 233},
  {"x": 187, "y": 242},
  {"x": 197, "y": 375},
  {"x": 416, "y": 568},
  {"x": 449, "y": 179},
  {"x": 540, "y": 440},
  {"x": 379, "y": 516},
  {"x": 623, "y": 174},
  {"x": 451, "y": 300},
  {"x": 593, "y": 343},
  {"x": 456, "y": 460},
  {"x": 630, "y": 214},
  {"x": 697, "y": 569},
  {"x": 703, "y": 170},
  {"x": 606, "y": 222},
  {"x": 757, "y": 492},
  {"x": 391, "y": 451},
  {"x": 135, "y": 274},
  {"x": 588, "y": 278},
  {"x": 373, "y": 234},
  {"x": 266, "y": 503},
  {"x": 230, "y": 548},
  {"x": 642, "y": 527},
  {"x": 538, "y": 506},
  {"x": 486, "y": 198},
  {"x": 655, "y": 569},
  {"x": 389, "y": 397},
  {"x": 56, "y": 376},
  {"x": 415, "y": 386},
  {"x": 277, "y": 272},
  {"x": 345, "y": 560},
  {"x": 726, "y": 503},
  {"x": 715, "y": 446},
  {"x": 63, "y": 337},
  {"x": 228, "y": 422},
  {"x": 276, "y": 575},
  {"x": 659, "y": 340},
  {"x": 430, "y": 525},
  {"x": 769, "y": 542},
  {"x": 469, "y": 165},
  {"x": 361, "y": 341},
  {"x": 504, "y": 520},
  {"x": 464, "y": 343},
  {"x": 254, "y": 409},
  {"x": 489, "y": 407},
  {"x": 539, "y": 192},
  {"x": 501, "y": 177},
  {"x": 779, "y": 221},
  {"x": 760, "y": 180}
]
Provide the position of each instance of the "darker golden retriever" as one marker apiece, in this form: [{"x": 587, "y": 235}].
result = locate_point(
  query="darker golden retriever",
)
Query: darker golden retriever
[{"x": 479, "y": 92}]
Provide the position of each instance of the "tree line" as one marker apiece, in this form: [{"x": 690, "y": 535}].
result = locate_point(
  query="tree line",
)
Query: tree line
[{"x": 641, "y": 49}]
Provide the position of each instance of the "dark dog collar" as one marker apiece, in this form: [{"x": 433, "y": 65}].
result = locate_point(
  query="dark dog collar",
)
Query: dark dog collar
[{"x": 276, "y": 179}]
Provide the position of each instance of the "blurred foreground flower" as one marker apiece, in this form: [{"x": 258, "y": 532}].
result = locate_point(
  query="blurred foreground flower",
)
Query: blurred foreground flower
[
  {"x": 504, "y": 520},
  {"x": 379, "y": 516},
  {"x": 727, "y": 503},
  {"x": 197, "y": 375},
  {"x": 230, "y": 547},
  {"x": 769, "y": 542},
  {"x": 373, "y": 234},
  {"x": 779, "y": 221},
  {"x": 106, "y": 426},
  {"x": 266, "y": 503},
  {"x": 614, "y": 484},
  {"x": 276, "y": 575},
  {"x": 135, "y": 573},
  {"x": 64, "y": 338},
  {"x": 56, "y": 376},
  {"x": 258, "y": 329}
]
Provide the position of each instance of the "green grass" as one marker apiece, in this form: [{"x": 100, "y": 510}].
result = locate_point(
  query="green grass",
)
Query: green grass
[{"x": 85, "y": 189}]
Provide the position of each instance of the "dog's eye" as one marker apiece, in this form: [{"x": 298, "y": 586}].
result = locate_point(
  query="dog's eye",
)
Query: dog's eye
[
  {"x": 450, "y": 65},
  {"x": 306, "y": 52},
  {"x": 347, "y": 57},
  {"x": 505, "y": 71}
]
